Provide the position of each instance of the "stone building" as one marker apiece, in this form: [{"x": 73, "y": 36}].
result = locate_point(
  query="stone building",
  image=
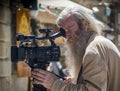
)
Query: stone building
[{"x": 8, "y": 78}]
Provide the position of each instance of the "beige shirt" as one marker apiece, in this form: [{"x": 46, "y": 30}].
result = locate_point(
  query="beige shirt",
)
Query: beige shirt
[{"x": 101, "y": 68}]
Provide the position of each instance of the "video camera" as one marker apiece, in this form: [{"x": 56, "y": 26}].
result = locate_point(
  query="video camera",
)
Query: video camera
[{"x": 34, "y": 55}]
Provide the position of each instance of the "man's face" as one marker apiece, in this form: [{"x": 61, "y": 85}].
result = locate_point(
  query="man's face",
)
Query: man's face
[{"x": 71, "y": 28}]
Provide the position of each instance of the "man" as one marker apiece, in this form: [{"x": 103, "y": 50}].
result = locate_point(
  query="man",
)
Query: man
[{"x": 93, "y": 61}]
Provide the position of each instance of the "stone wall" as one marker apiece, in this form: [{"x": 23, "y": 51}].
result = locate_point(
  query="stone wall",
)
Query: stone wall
[{"x": 8, "y": 78}]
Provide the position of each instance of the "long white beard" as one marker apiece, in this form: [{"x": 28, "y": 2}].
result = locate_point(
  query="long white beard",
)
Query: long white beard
[{"x": 74, "y": 55}]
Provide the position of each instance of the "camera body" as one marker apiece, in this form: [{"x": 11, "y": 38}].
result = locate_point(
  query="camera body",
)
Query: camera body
[{"x": 36, "y": 56}]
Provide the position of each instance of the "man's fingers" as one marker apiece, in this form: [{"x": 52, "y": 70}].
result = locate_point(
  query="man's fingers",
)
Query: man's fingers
[
  {"x": 38, "y": 78},
  {"x": 38, "y": 74},
  {"x": 40, "y": 71},
  {"x": 38, "y": 82},
  {"x": 44, "y": 78}
]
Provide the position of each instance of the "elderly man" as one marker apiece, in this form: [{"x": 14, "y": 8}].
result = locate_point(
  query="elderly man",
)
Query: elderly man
[{"x": 93, "y": 61}]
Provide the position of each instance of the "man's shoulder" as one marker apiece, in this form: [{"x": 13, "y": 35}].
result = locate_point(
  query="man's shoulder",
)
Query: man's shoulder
[
  {"x": 96, "y": 43},
  {"x": 100, "y": 40},
  {"x": 100, "y": 43}
]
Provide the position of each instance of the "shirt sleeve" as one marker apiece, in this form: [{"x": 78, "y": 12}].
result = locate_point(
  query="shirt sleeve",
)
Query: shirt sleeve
[{"x": 94, "y": 76}]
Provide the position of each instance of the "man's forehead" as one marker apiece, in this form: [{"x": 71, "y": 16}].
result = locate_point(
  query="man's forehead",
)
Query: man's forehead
[{"x": 68, "y": 19}]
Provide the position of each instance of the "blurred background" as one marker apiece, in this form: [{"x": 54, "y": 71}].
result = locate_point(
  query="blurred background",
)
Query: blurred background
[{"x": 28, "y": 16}]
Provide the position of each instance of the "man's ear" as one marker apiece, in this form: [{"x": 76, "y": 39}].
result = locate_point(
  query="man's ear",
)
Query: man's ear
[{"x": 85, "y": 24}]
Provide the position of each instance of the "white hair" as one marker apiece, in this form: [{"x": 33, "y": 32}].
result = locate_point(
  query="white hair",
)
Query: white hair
[{"x": 79, "y": 13}]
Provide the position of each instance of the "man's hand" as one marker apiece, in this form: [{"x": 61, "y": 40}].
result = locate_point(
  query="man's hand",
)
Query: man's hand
[
  {"x": 44, "y": 78},
  {"x": 68, "y": 79}
]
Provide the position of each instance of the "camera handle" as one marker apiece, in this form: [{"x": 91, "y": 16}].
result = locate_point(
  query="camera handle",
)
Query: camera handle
[{"x": 38, "y": 87}]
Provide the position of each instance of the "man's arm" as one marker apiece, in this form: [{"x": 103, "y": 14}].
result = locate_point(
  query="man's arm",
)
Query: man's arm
[{"x": 94, "y": 76}]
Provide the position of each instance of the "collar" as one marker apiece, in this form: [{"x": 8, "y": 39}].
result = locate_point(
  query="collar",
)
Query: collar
[{"x": 92, "y": 37}]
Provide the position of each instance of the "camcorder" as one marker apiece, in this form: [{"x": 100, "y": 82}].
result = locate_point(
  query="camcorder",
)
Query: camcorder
[{"x": 34, "y": 55}]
